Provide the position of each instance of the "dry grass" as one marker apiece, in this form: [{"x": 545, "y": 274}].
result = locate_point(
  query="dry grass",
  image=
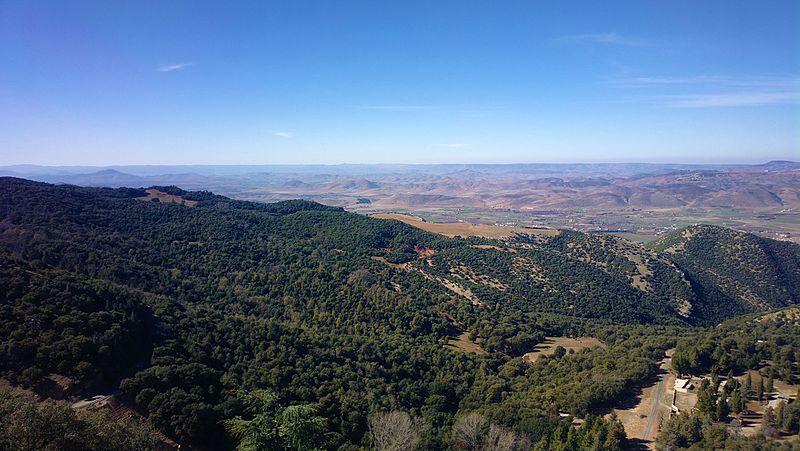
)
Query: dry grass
[
  {"x": 465, "y": 229},
  {"x": 447, "y": 283},
  {"x": 651, "y": 406},
  {"x": 165, "y": 197},
  {"x": 791, "y": 313},
  {"x": 551, "y": 343},
  {"x": 634, "y": 418},
  {"x": 464, "y": 344}
]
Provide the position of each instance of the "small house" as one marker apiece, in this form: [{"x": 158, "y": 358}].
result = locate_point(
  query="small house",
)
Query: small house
[{"x": 683, "y": 385}]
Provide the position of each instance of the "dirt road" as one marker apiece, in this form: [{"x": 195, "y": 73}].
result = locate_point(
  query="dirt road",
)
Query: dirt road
[{"x": 653, "y": 416}]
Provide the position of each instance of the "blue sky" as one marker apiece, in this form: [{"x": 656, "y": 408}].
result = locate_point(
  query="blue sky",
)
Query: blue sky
[{"x": 398, "y": 82}]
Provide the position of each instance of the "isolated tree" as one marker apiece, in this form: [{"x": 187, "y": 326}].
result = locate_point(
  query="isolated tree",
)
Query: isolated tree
[
  {"x": 770, "y": 383},
  {"x": 469, "y": 431},
  {"x": 780, "y": 414},
  {"x": 736, "y": 401},
  {"x": 261, "y": 431},
  {"x": 273, "y": 427},
  {"x": 501, "y": 439},
  {"x": 616, "y": 435},
  {"x": 768, "y": 424},
  {"x": 723, "y": 409},
  {"x": 394, "y": 431},
  {"x": 705, "y": 399},
  {"x": 760, "y": 389},
  {"x": 748, "y": 385},
  {"x": 732, "y": 382},
  {"x": 301, "y": 428},
  {"x": 791, "y": 417},
  {"x": 473, "y": 432}
]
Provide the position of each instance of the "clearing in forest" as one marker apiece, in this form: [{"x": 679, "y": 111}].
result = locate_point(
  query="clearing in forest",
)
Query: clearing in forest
[
  {"x": 465, "y": 229},
  {"x": 153, "y": 193},
  {"x": 550, "y": 344},
  {"x": 464, "y": 344}
]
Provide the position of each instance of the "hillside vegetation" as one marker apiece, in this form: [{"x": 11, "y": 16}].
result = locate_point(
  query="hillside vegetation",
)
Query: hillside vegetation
[
  {"x": 734, "y": 272},
  {"x": 184, "y": 308}
]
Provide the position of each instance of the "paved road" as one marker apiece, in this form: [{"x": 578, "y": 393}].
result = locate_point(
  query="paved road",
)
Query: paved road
[{"x": 652, "y": 418}]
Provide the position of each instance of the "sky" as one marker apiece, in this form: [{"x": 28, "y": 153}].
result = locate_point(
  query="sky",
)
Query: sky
[{"x": 112, "y": 82}]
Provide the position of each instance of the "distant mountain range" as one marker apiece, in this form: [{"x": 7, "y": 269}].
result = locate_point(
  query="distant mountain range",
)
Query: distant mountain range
[{"x": 515, "y": 186}]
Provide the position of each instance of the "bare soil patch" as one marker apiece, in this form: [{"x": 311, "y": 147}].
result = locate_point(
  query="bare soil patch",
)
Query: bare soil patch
[
  {"x": 642, "y": 415},
  {"x": 465, "y": 229},
  {"x": 153, "y": 193},
  {"x": 551, "y": 343}
]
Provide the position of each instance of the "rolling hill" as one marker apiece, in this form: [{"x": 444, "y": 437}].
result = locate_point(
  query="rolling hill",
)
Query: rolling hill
[
  {"x": 183, "y": 304},
  {"x": 734, "y": 272}
]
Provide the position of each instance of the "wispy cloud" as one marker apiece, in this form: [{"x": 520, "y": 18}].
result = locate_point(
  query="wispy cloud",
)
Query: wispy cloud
[
  {"x": 173, "y": 67},
  {"x": 714, "y": 91},
  {"x": 283, "y": 134},
  {"x": 729, "y": 99},
  {"x": 715, "y": 81},
  {"x": 598, "y": 38}
]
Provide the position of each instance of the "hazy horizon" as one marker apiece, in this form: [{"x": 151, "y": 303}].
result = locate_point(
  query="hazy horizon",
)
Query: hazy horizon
[{"x": 755, "y": 162}]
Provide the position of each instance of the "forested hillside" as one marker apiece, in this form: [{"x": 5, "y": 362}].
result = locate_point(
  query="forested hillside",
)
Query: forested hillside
[
  {"x": 187, "y": 301},
  {"x": 733, "y": 272}
]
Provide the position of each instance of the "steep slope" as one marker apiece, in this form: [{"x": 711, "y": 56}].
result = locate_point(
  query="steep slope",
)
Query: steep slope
[{"x": 734, "y": 272}]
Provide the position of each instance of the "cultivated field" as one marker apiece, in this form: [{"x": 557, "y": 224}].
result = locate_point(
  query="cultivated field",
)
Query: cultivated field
[
  {"x": 551, "y": 343},
  {"x": 465, "y": 229}
]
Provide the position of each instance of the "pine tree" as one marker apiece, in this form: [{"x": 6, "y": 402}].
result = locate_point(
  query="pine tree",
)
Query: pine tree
[
  {"x": 768, "y": 423},
  {"x": 760, "y": 389},
  {"x": 770, "y": 382},
  {"x": 705, "y": 400},
  {"x": 780, "y": 414},
  {"x": 736, "y": 401},
  {"x": 722, "y": 408},
  {"x": 616, "y": 433},
  {"x": 748, "y": 386},
  {"x": 769, "y": 417}
]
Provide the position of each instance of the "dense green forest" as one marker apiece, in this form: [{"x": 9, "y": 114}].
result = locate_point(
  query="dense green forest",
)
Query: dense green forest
[
  {"x": 744, "y": 344},
  {"x": 191, "y": 310},
  {"x": 734, "y": 272}
]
